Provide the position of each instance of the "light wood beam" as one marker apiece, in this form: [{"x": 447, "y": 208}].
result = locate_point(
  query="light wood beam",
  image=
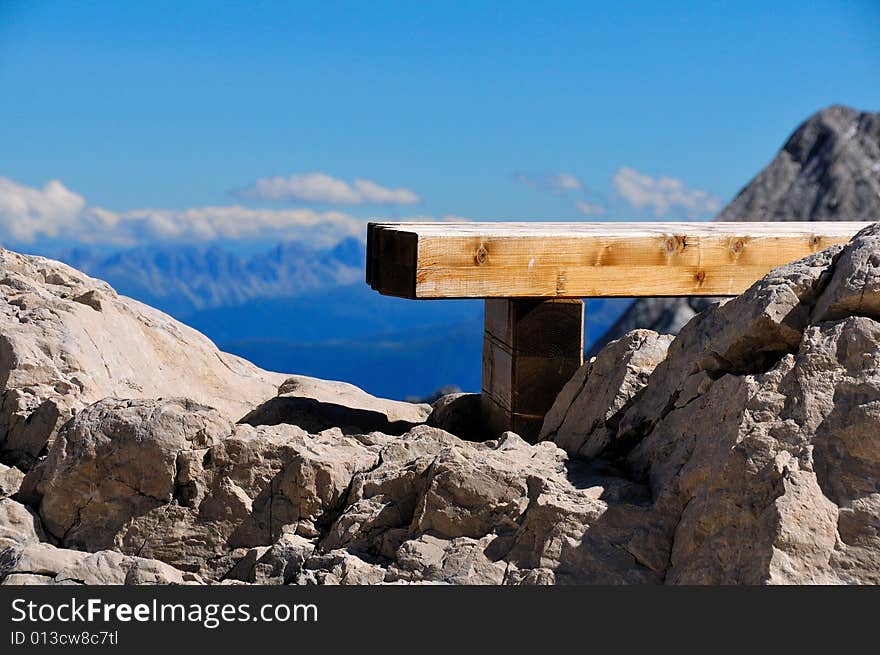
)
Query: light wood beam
[{"x": 580, "y": 260}]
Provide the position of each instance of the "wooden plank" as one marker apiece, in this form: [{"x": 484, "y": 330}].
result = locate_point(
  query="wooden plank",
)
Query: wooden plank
[
  {"x": 580, "y": 260},
  {"x": 531, "y": 348}
]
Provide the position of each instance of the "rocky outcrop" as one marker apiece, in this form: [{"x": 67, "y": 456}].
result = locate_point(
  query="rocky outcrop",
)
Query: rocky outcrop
[
  {"x": 28, "y": 557},
  {"x": 10, "y": 480},
  {"x": 585, "y": 416},
  {"x": 745, "y": 450},
  {"x": 43, "y": 564},
  {"x": 828, "y": 170},
  {"x": 18, "y": 523},
  {"x": 175, "y": 481},
  {"x": 276, "y": 504},
  {"x": 67, "y": 341},
  {"x": 758, "y": 434}
]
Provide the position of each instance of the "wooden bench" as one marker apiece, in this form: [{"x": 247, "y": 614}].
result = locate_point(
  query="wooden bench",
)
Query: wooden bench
[{"x": 532, "y": 277}]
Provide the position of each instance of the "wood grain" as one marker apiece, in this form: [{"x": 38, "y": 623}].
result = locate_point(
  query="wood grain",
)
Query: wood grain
[{"x": 581, "y": 260}]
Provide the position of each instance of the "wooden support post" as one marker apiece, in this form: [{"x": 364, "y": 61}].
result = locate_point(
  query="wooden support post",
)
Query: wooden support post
[{"x": 531, "y": 348}]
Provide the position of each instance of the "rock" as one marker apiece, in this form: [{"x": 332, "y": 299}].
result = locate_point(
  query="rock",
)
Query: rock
[
  {"x": 274, "y": 504},
  {"x": 745, "y": 450},
  {"x": 280, "y": 563},
  {"x": 27, "y": 579},
  {"x": 175, "y": 481},
  {"x": 748, "y": 334},
  {"x": 115, "y": 461},
  {"x": 10, "y": 480},
  {"x": 460, "y": 414},
  {"x": 854, "y": 288},
  {"x": 316, "y": 405},
  {"x": 584, "y": 418},
  {"x": 340, "y": 567},
  {"x": 474, "y": 492},
  {"x": 67, "y": 341},
  {"x": 828, "y": 170},
  {"x": 482, "y": 504},
  {"x": 18, "y": 524},
  {"x": 45, "y": 564},
  {"x": 759, "y": 435},
  {"x": 461, "y": 560}
]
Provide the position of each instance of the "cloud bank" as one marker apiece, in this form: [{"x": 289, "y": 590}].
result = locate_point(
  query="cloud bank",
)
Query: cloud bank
[
  {"x": 326, "y": 189},
  {"x": 29, "y": 214},
  {"x": 56, "y": 212},
  {"x": 26, "y": 211}
]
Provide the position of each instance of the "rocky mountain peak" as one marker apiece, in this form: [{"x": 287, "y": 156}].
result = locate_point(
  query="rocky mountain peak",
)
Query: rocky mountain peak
[{"x": 828, "y": 169}]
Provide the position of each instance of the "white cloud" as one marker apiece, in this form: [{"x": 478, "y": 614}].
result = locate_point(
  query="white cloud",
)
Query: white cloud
[
  {"x": 26, "y": 211},
  {"x": 323, "y": 188},
  {"x": 56, "y": 212},
  {"x": 589, "y": 208},
  {"x": 662, "y": 195},
  {"x": 232, "y": 222}
]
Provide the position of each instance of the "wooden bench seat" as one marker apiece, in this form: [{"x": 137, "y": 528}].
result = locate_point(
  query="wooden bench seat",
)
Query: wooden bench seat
[{"x": 533, "y": 275}]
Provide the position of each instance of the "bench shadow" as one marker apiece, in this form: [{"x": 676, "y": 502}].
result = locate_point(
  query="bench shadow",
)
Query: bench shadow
[{"x": 314, "y": 416}]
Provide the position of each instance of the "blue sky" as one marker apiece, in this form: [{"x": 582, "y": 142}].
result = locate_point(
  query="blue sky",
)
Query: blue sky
[{"x": 490, "y": 111}]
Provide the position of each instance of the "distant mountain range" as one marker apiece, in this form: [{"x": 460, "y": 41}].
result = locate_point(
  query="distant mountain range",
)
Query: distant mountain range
[{"x": 181, "y": 279}]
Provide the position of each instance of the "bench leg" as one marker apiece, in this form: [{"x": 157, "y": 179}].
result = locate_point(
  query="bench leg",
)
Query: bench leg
[{"x": 531, "y": 348}]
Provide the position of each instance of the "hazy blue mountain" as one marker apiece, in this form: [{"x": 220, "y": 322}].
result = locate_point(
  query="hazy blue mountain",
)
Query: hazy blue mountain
[{"x": 181, "y": 279}]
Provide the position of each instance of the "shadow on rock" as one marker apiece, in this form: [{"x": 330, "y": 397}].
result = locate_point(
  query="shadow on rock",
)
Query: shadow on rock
[{"x": 315, "y": 416}]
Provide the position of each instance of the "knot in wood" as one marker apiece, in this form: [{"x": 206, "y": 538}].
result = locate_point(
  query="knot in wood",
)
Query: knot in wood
[
  {"x": 481, "y": 256},
  {"x": 675, "y": 244}
]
